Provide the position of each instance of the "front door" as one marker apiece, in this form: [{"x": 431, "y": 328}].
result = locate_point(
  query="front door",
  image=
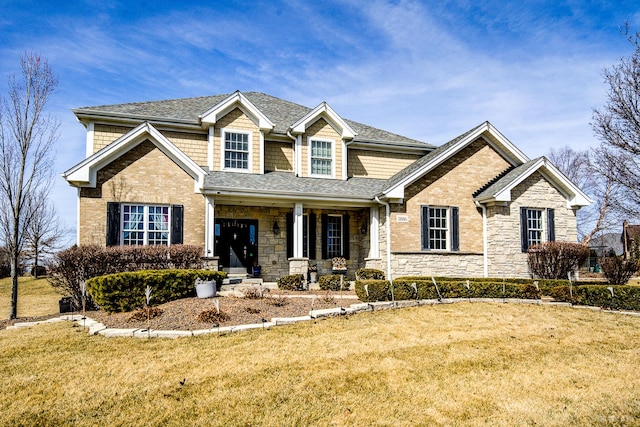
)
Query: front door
[{"x": 237, "y": 243}]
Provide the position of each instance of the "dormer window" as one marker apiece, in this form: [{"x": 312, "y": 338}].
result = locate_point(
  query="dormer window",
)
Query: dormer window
[
  {"x": 237, "y": 150},
  {"x": 321, "y": 158}
]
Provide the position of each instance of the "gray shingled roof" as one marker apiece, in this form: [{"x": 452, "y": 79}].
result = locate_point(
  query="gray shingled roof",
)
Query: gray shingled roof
[
  {"x": 282, "y": 113},
  {"x": 284, "y": 183},
  {"x": 506, "y": 180}
]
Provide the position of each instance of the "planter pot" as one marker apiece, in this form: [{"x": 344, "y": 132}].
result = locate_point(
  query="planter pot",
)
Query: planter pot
[
  {"x": 206, "y": 289},
  {"x": 256, "y": 270},
  {"x": 313, "y": 276}
]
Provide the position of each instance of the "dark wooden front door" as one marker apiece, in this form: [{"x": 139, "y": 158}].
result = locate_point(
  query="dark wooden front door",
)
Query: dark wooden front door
[{"x": 237, "y": 242}]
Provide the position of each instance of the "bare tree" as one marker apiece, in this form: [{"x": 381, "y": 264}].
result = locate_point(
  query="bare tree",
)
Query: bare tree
[
  {"x": 44, "y": 232},
  {"x": 27, "y": 135},
  {"x": 617, "y": 126},
  {"x": 590, "y": 171}
]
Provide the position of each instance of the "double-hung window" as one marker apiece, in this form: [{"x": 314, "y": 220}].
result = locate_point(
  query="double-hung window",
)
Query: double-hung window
[
  {"x": 533, "y": 226},
  {"x": 145, "y": 225},
  {"x": 321, "y": 160},
  {"x": 440, "y": 228},
  {"x": 236, "y": 150}
]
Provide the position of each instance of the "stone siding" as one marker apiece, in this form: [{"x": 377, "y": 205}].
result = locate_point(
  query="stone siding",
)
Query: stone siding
[
  {"x": 143, "y": 175},
  {"x": 443, "y": 265},
  {"x": 503, "y": 222},
  {"x": 376, "y": 164}
]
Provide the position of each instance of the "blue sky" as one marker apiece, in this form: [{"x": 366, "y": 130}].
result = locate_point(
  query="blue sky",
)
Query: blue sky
[{"x": 429, "y": 70}]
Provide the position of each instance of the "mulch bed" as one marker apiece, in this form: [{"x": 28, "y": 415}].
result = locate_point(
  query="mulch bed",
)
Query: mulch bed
[{"x": 185, "y": 314}]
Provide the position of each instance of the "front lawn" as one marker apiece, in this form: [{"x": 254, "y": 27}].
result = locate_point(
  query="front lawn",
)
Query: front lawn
[
  {"x": 460, "y": 364},
  {"x": 35, "y": 297}
]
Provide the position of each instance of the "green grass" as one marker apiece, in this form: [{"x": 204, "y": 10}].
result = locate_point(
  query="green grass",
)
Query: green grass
[
  {"x": 460, "y": 364},
  {"x": 35, "y": 297}
]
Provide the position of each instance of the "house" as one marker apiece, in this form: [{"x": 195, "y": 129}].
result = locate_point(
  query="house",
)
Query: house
[
  {"x": 255, "y": 179},
  {"x": 630, "y": 239}
]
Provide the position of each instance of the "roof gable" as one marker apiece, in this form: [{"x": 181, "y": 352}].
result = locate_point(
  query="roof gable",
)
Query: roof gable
[
  {"x": 400, "y": 181},
  {"x": 324, "y": 111},
  {"x": 236, "y": 100},
  {"x": 84, "y": 174},
  {"x": 500, "y": 190}
]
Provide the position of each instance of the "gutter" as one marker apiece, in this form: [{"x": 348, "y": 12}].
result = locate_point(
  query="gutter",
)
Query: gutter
[{"x": 388, "y": 231}]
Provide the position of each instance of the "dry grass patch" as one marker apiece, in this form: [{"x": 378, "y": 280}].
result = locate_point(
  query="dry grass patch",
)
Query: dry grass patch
[
  {"x": 462, "y": 364},
  {"x": 35, "y": 297}
]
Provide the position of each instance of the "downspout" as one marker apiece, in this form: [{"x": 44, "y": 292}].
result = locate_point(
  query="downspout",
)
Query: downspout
[
  {"x": 485, "y": 242},
  {"x": 388, "y": 231},
  {"x": 295, "y": 155}
]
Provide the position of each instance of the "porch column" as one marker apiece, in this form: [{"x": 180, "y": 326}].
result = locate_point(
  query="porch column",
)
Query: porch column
[
  {"x": 209, "y": 227},
  {"x": 374, "y": 232},
  {"x": 298, "y": 231}
]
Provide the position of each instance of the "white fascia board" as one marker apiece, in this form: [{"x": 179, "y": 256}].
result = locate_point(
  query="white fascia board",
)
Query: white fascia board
[
  {"x": 574, "y": 196},
  {"x": 324, "y": 111},
  {"x": 84, "y": 174},
  {"x": 236, "y": 100},
  {"x": 497, "y": 141}
]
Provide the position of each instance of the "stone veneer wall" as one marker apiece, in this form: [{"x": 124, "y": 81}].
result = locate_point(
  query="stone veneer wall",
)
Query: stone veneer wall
[{"x": 503, "y": 223}]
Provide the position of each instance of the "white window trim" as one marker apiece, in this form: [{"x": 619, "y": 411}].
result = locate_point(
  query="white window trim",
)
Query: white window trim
[
  {"x": 333, "y": 157},
  {"x": 341, "y": 228},
  {"x": 145, "y": 220},
  {"x": 543, "y": 225},
  {"x": 448, "y": 241},
  {"x": 223, "y": 132}
]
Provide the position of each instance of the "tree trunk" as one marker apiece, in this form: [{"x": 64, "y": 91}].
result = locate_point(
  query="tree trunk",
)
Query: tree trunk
[{"x": 13, "y": 314}]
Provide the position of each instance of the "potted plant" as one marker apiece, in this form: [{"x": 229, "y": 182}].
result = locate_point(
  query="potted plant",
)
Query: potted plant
[
  {"x": 256, "y": 269},
  {"x": 205, "y": 288},
  {"x": 313, "y": 273}
]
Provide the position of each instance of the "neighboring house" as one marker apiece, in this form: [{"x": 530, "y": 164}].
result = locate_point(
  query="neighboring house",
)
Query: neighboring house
[
  {"x": 255, "y": 179},
  {"x": 601, "y": 246},
  {"x": 630, "y": 239}
]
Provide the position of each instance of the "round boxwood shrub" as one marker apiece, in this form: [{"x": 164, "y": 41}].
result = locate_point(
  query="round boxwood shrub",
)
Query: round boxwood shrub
[{"x": 331, "y": 282}]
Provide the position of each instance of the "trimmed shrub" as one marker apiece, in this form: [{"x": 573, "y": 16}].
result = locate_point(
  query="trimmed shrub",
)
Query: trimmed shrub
[
  {"x": 376, "y": 290},
  {"x": 555, "y": 260},
  {"x": 292, "y": 282},
  {"x": 618, "y": 270},
  {"x": 126, "y": 291},
  {"x": 69, "y": 268},
  {"x": 624, "y": 297},
  {"x": 369, "y": 274},
  {"x": 331, "y": 282}
]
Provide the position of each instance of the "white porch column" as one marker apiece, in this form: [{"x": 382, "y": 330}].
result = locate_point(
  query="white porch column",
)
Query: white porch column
[
  {"x": 298, "y": 231},
  {"x": 209, "y": 227},
  {"x": 374, "y": 232}
]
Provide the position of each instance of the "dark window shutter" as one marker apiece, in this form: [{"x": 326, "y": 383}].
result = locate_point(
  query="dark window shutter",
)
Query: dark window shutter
[
  {"x": 551, "y": 225},
  {"x": 455, "y": 229},
  {"x": 289, "y": 231},
  {"x": 323, "y": 218},
  {"x": 312, "y": 236},
  {"x": 113, "y": 223},
  {"x": 345, "y": 236},
  {"x": 425, "y": 228},
  {"x": 177, "y": 221},
  {"x": 524, "y": 230}
]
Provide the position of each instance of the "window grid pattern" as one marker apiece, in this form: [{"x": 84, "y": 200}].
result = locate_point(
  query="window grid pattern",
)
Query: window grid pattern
[
  {"x": 236, "y": 150},
  {"x": 321, "y": 157},
  {"x": 438, "y": 228},
  {"x": 534, "y": 226},
  {"x": 334, "y": 236},
  {"x": 145, "y": 225}
]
